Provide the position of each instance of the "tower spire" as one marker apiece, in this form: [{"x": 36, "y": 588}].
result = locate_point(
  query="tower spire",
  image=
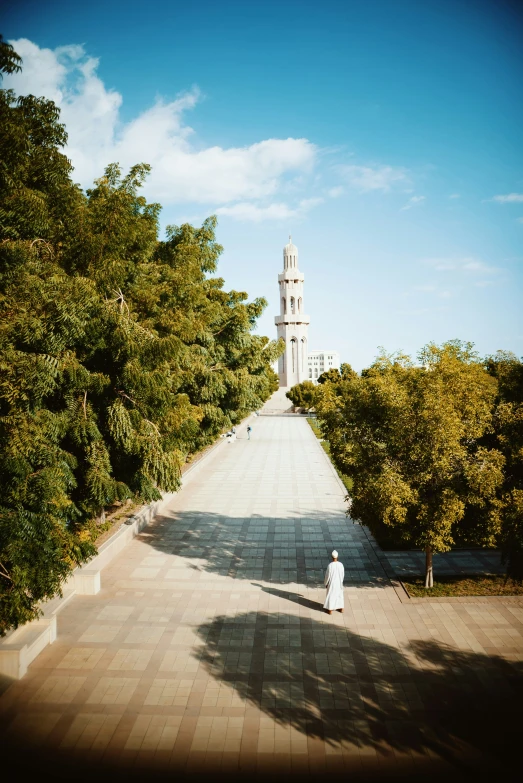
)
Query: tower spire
[{"x": 292, "y": 323}]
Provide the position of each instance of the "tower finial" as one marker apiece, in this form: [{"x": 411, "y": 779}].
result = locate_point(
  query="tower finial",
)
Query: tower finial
[{"x": 290, "y": 239}]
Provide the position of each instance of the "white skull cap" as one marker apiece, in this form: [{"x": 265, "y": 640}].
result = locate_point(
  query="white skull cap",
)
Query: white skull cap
[{"x": 334, "y": 553}]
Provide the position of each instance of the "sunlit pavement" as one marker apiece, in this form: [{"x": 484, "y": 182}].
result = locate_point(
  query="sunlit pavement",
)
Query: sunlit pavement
[{"x": 206, "y": 653}]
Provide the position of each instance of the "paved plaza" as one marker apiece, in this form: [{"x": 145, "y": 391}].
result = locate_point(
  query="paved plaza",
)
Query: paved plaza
[{"x": 206, "y": 652}]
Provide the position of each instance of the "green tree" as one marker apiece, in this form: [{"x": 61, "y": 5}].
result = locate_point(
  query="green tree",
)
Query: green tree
[
  {"x": 42, "y": 316},
  {"x": 508, "y": 438},
  {"x": 333, "y": 376},
  {"x": 120, "y": 354},
  {"x": 410, "y": 438},
  {"x": 10, "y": 61},
  {"x": 304, "y": 395},
  {"x": 347, "y": 372}
]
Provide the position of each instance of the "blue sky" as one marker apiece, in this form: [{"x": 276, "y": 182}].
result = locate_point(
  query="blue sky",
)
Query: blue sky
[{"x": 384, "y": 135}]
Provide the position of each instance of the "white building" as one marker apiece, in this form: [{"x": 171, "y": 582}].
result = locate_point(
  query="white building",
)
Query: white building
[
  {"x": 297, "y": 364},
  {"x": 321, "y": 361},
  {"x": 292, "y": 324}
]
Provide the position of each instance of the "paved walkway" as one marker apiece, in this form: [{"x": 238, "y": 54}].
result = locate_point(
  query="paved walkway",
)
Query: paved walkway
[
  {"x": 465, "y": 561},
  {"x": 207, "y": 652}
]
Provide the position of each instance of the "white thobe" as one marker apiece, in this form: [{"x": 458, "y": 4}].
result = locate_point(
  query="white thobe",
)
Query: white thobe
[{"x": 334, "y": 576}]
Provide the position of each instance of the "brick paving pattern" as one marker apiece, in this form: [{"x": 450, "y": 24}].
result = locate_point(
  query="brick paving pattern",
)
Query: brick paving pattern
[
  {"x": 458, "y": 562},
  {"x": 206, "y": 651}
]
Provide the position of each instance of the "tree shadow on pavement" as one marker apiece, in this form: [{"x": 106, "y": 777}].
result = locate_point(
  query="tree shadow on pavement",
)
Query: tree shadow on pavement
[
  {"x": 459, "y": 708},
  {"x": 294, "y": 549}
]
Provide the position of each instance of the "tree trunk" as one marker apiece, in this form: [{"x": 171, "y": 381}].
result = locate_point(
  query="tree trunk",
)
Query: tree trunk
[
  {"x": 100, "y": 519},
  {"x": 429, "y": 576}
]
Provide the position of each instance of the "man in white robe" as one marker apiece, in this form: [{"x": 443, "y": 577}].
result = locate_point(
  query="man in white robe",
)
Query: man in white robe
[{"x": 334, "y": 576}]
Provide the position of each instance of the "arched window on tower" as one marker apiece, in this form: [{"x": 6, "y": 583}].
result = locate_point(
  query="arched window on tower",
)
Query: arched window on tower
[
  {"x": 303, "y": 353},
  {"x": 299, "y": 304},
  {"x": 292, "y": 304},
  {"x": 284, "y": 305},
  {"x": 294, "y": 354}
]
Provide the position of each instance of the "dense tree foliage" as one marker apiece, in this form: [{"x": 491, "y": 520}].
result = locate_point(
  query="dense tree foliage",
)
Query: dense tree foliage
[
  {"x": 410, "y": 437},
  {"x": 434, "y": 450},
  {"x": 333, "y": 375},
  {"x": 120, "y": 354},
  {"x": 10, "y": 61},
  {"x": 508, "y": 438},
  {"x": 303, "y": 395}
]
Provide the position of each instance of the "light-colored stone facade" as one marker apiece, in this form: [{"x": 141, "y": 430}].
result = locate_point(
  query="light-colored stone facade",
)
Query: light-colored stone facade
[
  {"x": 322, "y": 361},
  {"x": 292, "y": 324}
]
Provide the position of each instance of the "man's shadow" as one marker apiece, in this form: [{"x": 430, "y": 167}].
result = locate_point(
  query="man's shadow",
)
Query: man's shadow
[{"x": 296, "y": 598}]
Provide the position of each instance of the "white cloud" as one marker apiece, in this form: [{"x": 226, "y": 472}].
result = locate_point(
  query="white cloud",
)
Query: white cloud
[
  {"x": 508, "y": 198},
  {"x": 336, "y": 192},
  {"x": 308, "y": 203},
  {"x": 413, "y": 200},
  {"x": 248, "y": 212},
  {"x": 468, "y": 267},
  {"x": 520, "y": 220},
  {"x": 43, "y": 70},
  {"x": 471, "y": 265},
  {"x": 182, "y": 169},
  {"x": 423, "y": 310},
  {"x": 466, "y": 273},
  {"x": 378, "y": 177},
  {"x": 440, "y": 264},
  {"x": 430, "y": 288}
]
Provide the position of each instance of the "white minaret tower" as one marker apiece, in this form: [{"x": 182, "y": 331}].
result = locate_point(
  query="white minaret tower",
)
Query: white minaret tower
[{"x": 292, "y": 324}]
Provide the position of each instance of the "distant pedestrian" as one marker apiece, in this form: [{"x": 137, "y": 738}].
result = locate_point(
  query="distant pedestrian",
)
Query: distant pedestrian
[
  {"x": 249, "y": 430},
  {"x": 334, "y": 576}
]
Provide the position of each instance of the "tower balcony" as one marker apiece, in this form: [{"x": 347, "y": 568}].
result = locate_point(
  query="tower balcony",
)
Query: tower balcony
[
  {"x": 292, "y": 318},
  {"x": 289, "y": 275}
]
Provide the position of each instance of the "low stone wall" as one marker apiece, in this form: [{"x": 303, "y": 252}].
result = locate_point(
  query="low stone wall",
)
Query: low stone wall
[{"x": 21, "y": 646}]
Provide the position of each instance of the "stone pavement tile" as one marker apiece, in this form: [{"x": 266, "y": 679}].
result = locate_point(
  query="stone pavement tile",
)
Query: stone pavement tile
[
  {"x": 33, "y": 726},
  {"x": 91, "y": 731},
  {"x": 130, "y": 660},
  {"x": 100, "y": 633},
  {"x": 58, "y": 689},
  {"x": 207, "y": 649},
  {"x": 81, "y": 658},
  {"x": 113, "y": 690}
]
